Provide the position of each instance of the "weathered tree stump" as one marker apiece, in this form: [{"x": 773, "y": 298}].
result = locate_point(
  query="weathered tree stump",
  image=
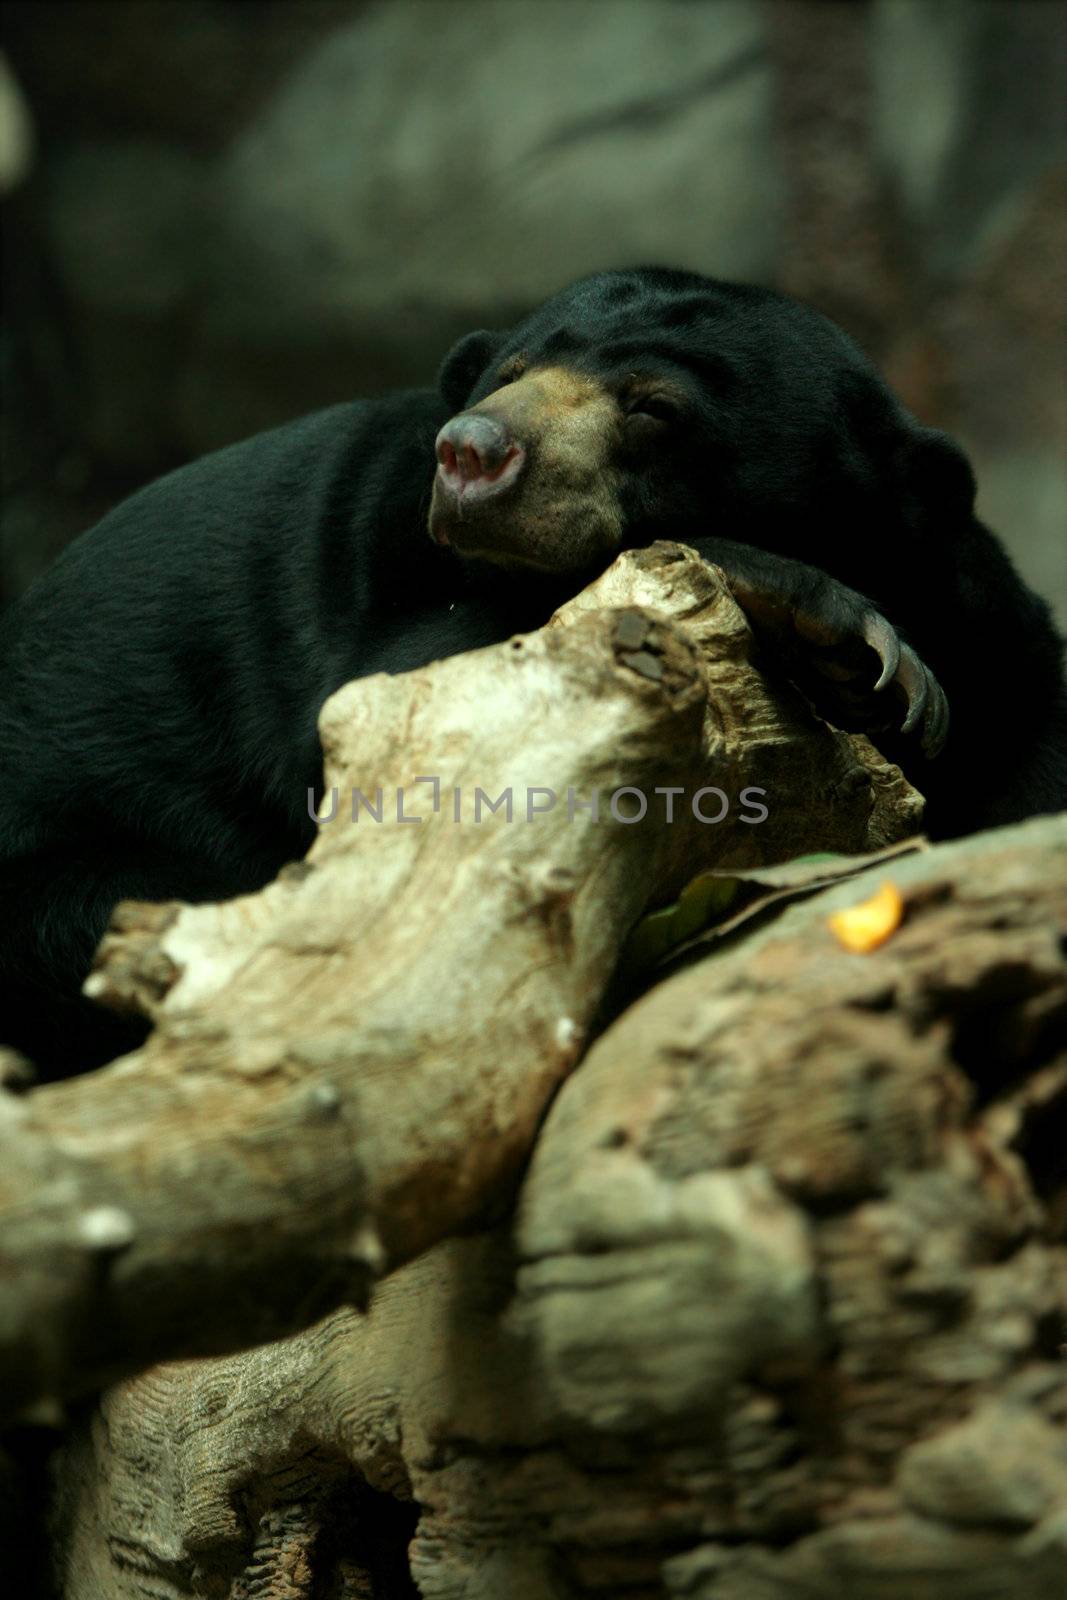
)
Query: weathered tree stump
[
  {"x": 781, "y": 1308},
  {"x": 781, "y": 1311},
  {"x": 352, "y": 1064}
]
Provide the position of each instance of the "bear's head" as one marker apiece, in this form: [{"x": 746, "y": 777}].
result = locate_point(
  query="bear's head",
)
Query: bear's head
[{"x": 654, "y": 403}]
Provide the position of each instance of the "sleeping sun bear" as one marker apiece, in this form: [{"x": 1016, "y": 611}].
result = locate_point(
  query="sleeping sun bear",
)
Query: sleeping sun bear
[{"x": 160, "y": 685}]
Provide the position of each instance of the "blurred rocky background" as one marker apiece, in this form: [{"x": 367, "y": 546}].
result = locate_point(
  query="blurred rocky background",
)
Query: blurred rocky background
[{"x": 218, "y": 214}]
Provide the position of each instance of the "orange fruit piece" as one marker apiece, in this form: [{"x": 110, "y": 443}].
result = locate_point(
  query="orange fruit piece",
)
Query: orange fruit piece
[{"x": 864, "y": 927}]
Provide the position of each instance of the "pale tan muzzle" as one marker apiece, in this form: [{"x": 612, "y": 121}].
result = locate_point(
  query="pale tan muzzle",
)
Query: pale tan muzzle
[{"x": 525, "y": 477}]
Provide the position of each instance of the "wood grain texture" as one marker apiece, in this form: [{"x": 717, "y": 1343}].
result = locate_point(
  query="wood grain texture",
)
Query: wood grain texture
[
  {"x": 352, "y": 1064},
  {"x": 780, "y": 1312}
]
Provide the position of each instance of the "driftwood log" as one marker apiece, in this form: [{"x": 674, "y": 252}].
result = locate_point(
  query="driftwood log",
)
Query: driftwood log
[
  {"x": 352, "y": 1065},
  {"x": 780, "y": 1314},
  {"x": 781, "y": 1307}
]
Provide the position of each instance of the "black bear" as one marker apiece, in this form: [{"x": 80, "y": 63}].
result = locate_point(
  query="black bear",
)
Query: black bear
[{"x": 159, "y": 687}]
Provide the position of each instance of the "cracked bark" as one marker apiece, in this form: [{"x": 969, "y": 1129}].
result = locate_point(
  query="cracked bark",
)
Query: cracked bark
[
  {"x": 780, "y": 1307},
  {"x": 352, "y": 1064},
  {"x": 780, "y": 1312}
]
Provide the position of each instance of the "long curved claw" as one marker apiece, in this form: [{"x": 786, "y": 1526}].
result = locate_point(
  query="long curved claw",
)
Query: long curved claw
[
  {"x": 834, "y": 624},
  {"x": 927, "y": 703},
  {"x": 936, "y": 731},
  {"x": 912, "y": 679},
  {"x": 883, "y": 640}
]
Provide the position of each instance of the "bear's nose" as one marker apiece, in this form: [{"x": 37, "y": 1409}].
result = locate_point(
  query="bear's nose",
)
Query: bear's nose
[{"x": 477, "y": 455}]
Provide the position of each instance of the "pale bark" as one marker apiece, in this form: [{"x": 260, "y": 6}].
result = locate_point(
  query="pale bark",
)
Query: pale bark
[
  {"x": 352, "y": 1064},
  {"x": 780, "y": 1313}
]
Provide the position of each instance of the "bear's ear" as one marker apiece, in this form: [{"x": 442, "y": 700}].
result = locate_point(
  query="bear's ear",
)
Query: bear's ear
[
  {"x": 464, "y": 365},
  {"x": 937, "y": 478}
]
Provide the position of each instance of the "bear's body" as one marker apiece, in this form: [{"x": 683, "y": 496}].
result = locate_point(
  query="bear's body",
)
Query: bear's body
[{"x": 159, "y": 687}]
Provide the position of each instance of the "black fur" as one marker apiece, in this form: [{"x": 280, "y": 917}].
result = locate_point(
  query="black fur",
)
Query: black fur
[{"x": 159, "y": 687}]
